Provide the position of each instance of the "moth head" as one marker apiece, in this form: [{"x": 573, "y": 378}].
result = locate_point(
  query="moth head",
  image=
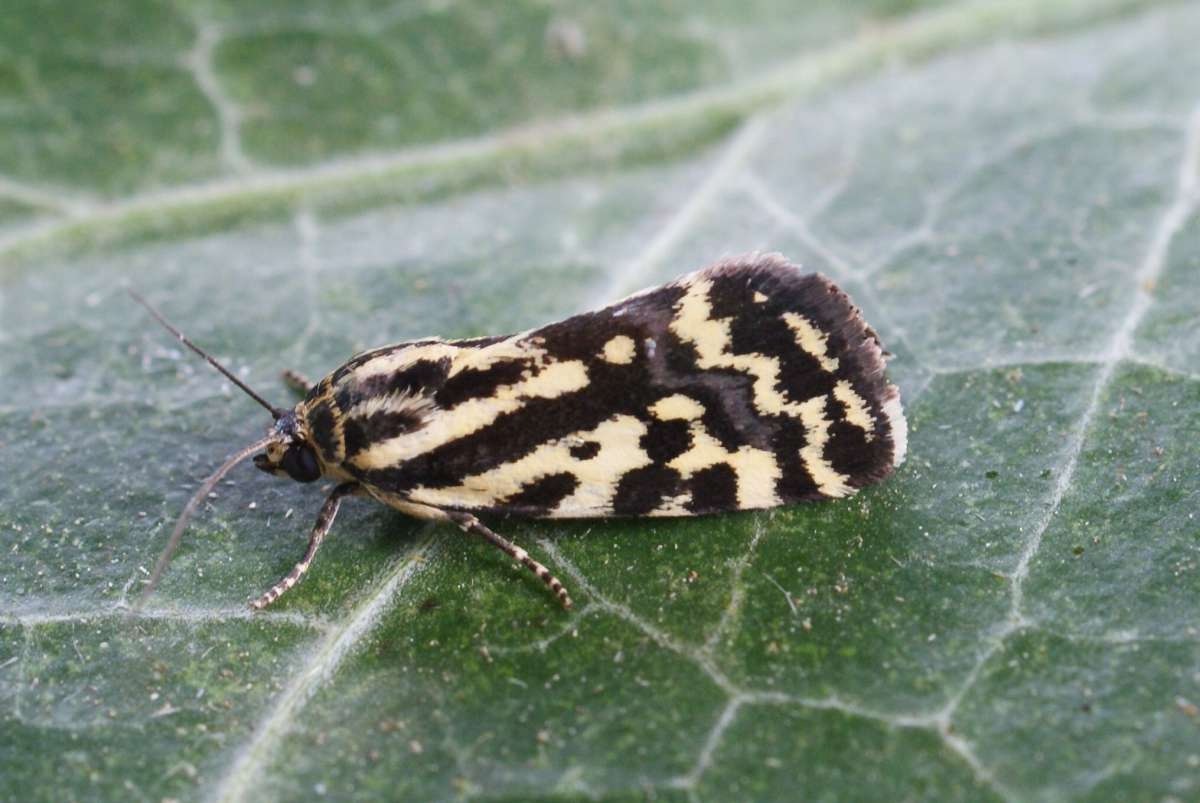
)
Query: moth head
[{"x": 289, "y": 454}]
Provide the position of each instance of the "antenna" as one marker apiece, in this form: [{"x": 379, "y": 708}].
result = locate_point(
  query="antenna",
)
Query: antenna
[
  {"x": 164, "y": 557},
  {"x": 276, "y": 412}
]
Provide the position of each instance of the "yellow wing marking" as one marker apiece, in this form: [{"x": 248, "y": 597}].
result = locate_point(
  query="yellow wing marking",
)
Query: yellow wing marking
[
  {"x": 620, "y": 350},
  {"x": 619, "y": 452},
  {"x": 856, "y": 408},
  {"x": 811, "y": 339}
]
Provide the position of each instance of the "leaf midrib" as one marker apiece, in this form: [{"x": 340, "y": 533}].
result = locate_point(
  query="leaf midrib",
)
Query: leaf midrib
[{"x": 919, "y": 37}]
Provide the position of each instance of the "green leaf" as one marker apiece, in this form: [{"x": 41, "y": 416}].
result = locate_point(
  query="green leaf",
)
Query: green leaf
[{"x": 1011, "y": 190}]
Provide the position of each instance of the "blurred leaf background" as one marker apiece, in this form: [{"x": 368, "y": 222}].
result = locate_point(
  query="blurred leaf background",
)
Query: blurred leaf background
[{"x": 1010, "y": 191}]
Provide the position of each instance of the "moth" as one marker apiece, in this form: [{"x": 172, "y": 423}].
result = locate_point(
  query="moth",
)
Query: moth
[{"x": 745, "y": 385}]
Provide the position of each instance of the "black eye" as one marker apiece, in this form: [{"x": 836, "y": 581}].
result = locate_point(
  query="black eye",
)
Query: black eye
[{"x": 300, "y": 463}]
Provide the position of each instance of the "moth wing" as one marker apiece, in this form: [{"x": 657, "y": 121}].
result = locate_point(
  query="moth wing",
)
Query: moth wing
[{"x": 745, "y": 385}]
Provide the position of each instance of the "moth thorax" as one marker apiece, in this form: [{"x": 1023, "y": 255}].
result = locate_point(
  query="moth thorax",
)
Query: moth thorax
[{"x": 321, "y": 424}]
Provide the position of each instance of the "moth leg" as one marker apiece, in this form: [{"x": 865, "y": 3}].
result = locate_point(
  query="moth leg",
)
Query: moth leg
[
  {"x": 471, "y": 524},
  {"x": 297, "y": 381},
  {"x": 320, "y": 528}
]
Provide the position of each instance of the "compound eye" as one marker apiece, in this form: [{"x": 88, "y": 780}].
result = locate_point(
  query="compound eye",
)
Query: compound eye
[{"x": 300, "y": 463}]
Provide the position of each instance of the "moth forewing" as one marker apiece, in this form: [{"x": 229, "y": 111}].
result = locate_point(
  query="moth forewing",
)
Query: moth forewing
[{"x": 745, "y": 385}]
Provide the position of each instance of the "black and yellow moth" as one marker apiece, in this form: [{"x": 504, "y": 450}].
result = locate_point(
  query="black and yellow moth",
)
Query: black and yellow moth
[{"x": 745, "y": 385}]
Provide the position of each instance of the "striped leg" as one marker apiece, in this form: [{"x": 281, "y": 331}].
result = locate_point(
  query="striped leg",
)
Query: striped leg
[
  {"x": 472, "y": 525},
  {"x": 297, "y": 382},
  {"x": 323, "y": 523}
]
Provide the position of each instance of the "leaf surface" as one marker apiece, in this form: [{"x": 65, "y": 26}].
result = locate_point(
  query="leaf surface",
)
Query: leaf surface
[{"x": 1012, "y": 616}]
